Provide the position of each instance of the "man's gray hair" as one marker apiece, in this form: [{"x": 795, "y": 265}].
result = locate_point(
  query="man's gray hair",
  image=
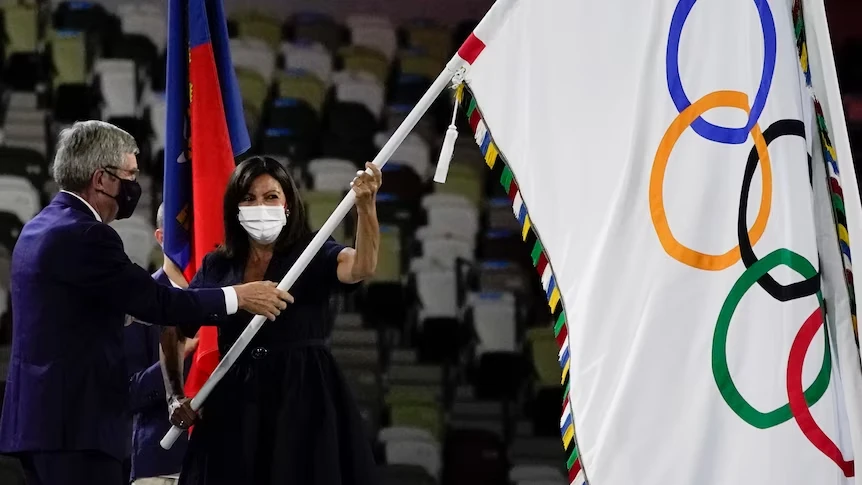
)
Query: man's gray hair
[
  {"x": 160, "y": 217},
  {"x": 87, "y": 146}
]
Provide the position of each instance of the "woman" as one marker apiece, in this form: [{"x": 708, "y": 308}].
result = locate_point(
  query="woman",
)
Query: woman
[{"x": 283, "y": 414}]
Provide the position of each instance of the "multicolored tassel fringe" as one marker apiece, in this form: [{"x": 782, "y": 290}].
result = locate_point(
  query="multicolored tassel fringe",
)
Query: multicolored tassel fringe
[
  {"x": 831, "y": 160},
  {"x": 500, "y": 170}
]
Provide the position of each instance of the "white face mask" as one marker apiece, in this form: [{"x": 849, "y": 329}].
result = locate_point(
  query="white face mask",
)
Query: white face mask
[{"x": 263, "y": 223}]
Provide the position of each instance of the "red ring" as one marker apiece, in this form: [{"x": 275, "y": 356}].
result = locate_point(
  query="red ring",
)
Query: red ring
[{"x": 796, "y": 396}]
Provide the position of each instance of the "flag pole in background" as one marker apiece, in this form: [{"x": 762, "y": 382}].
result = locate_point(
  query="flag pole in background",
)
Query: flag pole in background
[
  {"x": 465, "y": 56},
  {"x": 205, "y": 130}
]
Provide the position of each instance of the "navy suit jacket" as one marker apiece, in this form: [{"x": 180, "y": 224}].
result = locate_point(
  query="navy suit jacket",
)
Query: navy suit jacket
[
  {"x": 148, "y": 402},
  {"x": 72, "y": 285}
]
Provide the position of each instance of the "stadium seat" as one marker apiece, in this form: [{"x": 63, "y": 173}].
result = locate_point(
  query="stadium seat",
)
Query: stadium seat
[
  {"x": 501, "y": 244},
  {"x": 421, "y": 416},
  {"x": 360, "y": 88},
  {"x": 20, "y": 23},
  {"x": 374, "y": 32},
  {"x": 19, "y": 197},
  {"x": 253, "y": 87},
  {"x": 402, "y": 182},
  {"x": 89, "y": 18},
  {"x": 146, "y": 19},
  {"x": 302, "y": 85},
  {"x": 258, "y": 25},
  {"x": 308, "y": 57},
  {"x": 465, "y": 181},
  {"x": 389, "y": 262},
  {"x": 503, "y": 276},
  {"x": 118, "y": 84},
  {"x": 288, "y": 143},
  {"x": 157, "y": 117},
  {"x": 430, "y": 38},
  {"x": 446, "y": 248},
  {"x": 294, "y": 114},
  {"x": 254, "y": 54},
  {"x": 137, "y": 235},
  {"x": 435, "y": 283},
  {"x": 450, "y": 214},
  {"x": 331, "y": 174},
  {"x": 140, "y": 49},
  {"x": 414, "y": 152},
  {"x": 317, "y": 27},
  {"x": 422, "y": 453},
  {"x": 500, "y": 215},
  {"x": 25, "y": 163},
  {"x": 10, "y": 229},
  {"x": 69, "y": 56},
  {"x": 361, "y": 59},
  {"x": 419, "y": 63},
  {"x": 537, "y": 451},
  {"x": 319, "y": 205}
]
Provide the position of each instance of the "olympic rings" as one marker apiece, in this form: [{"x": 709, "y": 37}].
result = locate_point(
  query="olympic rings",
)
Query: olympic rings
[
  {"x": 757, "y": 270},
  {"x": 720, "y": 134},
  {"x": 684, "y": 254},
  {"x": 780, "y": 292},
  {"x": 720, "y": 369}
]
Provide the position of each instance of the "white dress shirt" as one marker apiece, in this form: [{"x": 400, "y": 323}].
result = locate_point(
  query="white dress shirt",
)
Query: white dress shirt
[{"x": 231, "y": 302}]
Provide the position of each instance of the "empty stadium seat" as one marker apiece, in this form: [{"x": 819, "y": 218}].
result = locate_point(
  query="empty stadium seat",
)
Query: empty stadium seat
[
  {"x": 118, "y": 83},
  {"x": 309, "y": 57},
  {"x": 254, "y": 54},
  {"x": 360, "y": 88},
  {"x": 137, "y": 235},
  {"x": 259, "y": 25},
  {"x": 365, "y": 60},
  {"x": 373, "y": 31},
  {"x": 317, "y": 27},
  {"x": 19, "y": 197}
]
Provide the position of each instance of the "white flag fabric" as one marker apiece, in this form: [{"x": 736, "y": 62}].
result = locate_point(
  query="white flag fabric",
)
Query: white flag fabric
[{"x": 687, "y": 210}]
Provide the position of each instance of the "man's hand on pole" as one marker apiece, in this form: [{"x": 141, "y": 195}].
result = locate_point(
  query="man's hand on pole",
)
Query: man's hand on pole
[{"x": 262, "y": 298}]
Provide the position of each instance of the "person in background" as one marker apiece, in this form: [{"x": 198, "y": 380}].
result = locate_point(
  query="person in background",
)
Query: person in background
[
  {"x": 65, "y": 412},
  {"x": 152, "y": 465},
  {"x": 283, "y": 414}
]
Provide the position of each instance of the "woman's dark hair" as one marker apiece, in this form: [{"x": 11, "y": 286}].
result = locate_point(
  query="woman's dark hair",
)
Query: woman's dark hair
[{"x": 235, "y": 238}]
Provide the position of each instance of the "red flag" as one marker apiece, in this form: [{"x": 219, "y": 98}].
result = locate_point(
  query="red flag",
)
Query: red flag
[{"x": 203, "y": 103}]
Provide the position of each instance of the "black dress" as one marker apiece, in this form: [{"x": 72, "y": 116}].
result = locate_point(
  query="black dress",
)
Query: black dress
[{"x": 283, "y": 414}]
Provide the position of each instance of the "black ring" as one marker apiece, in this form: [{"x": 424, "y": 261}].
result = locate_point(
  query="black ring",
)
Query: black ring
[{"x": 780, "y": 292}]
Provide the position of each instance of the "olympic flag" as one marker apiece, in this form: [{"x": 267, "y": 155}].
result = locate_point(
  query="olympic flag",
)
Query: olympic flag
[{"x": 682, "y": 176}]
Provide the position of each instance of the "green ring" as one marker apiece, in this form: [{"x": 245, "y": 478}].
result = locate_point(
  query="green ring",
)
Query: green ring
[{"x": 720, "y": 370}]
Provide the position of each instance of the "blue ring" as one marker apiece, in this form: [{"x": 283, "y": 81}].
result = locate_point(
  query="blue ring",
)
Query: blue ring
[{"x": 720, "y": 134}]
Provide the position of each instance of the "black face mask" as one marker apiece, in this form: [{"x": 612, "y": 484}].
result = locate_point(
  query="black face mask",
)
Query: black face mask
[{"x": 127, "y": 198}]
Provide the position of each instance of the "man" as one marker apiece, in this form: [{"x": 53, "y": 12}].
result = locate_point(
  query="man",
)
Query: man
[
  {"x": 152, "y": 465},
  {"x": 66, "y": 404}
]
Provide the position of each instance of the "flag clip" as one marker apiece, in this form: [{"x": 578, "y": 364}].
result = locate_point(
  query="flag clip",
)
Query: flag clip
[{"x": 448, "y": 148}]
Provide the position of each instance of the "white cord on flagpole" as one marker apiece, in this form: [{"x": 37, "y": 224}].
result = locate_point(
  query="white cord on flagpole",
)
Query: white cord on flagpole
[{"x": 316, "y": 243}]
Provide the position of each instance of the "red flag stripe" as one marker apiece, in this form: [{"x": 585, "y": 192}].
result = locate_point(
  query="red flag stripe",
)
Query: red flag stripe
[{"x": 471, "y": 48}]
